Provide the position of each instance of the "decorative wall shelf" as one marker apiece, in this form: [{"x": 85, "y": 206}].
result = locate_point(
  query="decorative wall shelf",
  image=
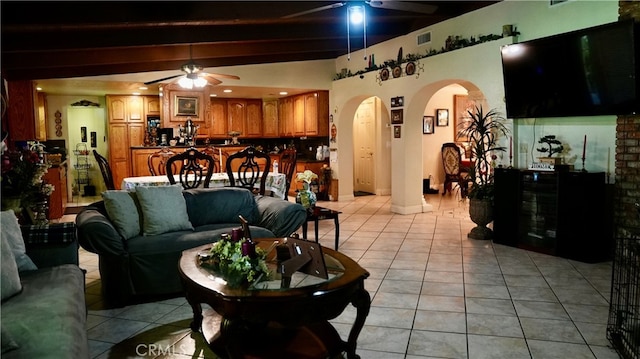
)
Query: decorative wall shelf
[{"x": 411, "y": 68}]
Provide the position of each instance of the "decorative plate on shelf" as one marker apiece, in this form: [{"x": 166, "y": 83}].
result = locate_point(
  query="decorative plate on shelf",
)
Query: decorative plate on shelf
[
  {"x": 397, "y": 71},
  {"x": 384, "y": 74},
  {"x": 410, "y": 69}
]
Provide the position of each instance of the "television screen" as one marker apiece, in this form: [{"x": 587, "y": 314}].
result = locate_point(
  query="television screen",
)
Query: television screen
[{"x": 587, "y": 72}]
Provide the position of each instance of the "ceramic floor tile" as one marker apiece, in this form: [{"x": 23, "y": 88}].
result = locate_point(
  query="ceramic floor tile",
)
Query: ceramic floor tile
[
  {"x": 558, "y": 350},
  {"x": 395, "y": 300},
  {"x": 440, "y": 321},
  {"x": 400, "y": 286},
  {"x": 486, "y": 291},
  {"x": 490, "y": 347},
  {"x": 551, "y": 330},
  {"x": 490, "y": 306},
  {"x": 443, "y": 289},
  {"x": 441, "y": 303},
  {"x": 495, "y": 325},
  {"x": 597, "y": 314},
  {"x": 391, "y": 317},
  {"x": 545, "y": 310},
  {"x": 438, "y": 344},
  {"x": 384, "y": 339}
]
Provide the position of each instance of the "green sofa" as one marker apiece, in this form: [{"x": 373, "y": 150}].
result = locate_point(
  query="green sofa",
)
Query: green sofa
[
  {"x": 44, "y": 313},
  {"x": 145, "y": 262}
]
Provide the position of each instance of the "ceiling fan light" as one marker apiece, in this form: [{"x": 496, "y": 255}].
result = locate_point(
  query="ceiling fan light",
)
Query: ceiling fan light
[
  {"x": 200, "y": 82},
  {"x": 186, "y": 83},
  {"x": 356, "y": 14}
]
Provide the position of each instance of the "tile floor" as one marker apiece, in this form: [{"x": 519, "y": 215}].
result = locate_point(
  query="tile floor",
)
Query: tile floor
[{"x": 435, "y": 294}]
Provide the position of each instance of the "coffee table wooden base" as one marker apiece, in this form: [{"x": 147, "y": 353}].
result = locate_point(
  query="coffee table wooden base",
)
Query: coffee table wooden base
[{"x": 272, "y": 341}]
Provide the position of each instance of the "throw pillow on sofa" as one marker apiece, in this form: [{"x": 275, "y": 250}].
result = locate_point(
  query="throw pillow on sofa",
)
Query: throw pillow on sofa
[
  {"x": 10, "y": 230},
  {"x": 10, "y": 279},
  {"x": 163, "y": 210},
  {"x": 122, "y": 208}
]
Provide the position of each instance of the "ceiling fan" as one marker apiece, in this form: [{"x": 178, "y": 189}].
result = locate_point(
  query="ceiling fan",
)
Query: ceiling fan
[
  {"x": 194, "y": 76},
  {"x": 410, "y": 6}
]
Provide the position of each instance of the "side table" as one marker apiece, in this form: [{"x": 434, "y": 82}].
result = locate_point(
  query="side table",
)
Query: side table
[{"x": 318, "y": 213}]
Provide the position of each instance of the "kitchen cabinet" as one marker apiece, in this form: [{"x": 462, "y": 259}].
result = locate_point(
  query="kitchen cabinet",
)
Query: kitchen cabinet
[
  {"x": 57, "y": 176},
  {"x": 270, "y": 118},
  {"x": 218, "y": 119},
  {"x": 126, "y": 129},
  {"x": 152, "y": 106},
  {"x": 285, "y": 124},
  {"x": 253, "y": 124},
  {"x": 305, "y": 115},
  {"x": 236, "y": 115}
]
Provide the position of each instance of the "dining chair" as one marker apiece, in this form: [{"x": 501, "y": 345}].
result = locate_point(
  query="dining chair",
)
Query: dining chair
[
  {"x": 248, "y": 171},
  {"x": 219, "y": 158},
  {"x": 193, "y": 168},
  {"x": 105, "y": 169},
  {"x": 157, "y": 161},
  {"x": 453, "y": 171},
  {"x": 288, "y": 160}
]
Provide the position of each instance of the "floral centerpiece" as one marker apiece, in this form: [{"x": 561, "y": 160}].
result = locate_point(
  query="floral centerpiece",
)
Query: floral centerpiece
[
  {"x": 238, "y": 266},
  {"x": 21, "y": 179},
  {"x": 306, "y": 197}
]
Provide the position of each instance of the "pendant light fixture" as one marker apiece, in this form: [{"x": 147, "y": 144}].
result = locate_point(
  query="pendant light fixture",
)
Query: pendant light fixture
[{"x": 356, "y": 14}]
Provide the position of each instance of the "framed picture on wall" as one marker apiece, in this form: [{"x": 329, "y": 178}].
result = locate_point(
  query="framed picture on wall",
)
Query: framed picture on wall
[
  {"x": 186, "y": 106},
  {"x": 396, "y": 131},
  {"x": 83, "y": 134},
  {"x": 442, "y": 114},
  {"x": 94, "y": 139},
  {"x": 396, "y": 116},
  {"x": 427, "y": 125}
]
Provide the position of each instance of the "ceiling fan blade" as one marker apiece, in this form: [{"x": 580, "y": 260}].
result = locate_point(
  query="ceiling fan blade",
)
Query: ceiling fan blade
[
  {"x": 317, "y": 9},
  {"x": 162, "y": 79},
  {"x": 224, "y": 76},
  {"x": 404, "y": 6},
  {"x": 213, "y": 81}
]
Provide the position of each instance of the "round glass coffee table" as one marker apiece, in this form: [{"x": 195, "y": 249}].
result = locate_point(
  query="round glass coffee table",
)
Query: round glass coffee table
[{"x": 267, "y": 321}]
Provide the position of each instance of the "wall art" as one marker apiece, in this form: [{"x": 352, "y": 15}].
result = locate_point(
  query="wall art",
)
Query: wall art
[
  {"x": 186, "y": 106},
  {"x": 83, "y": 134},
  {"x": 396, "y": 116},
  {"x": 94, "y": 139},
  {"x": 396, "y": 131},
  {"x": 427, "y": 125},
  {"x": 442, "y": 114}
]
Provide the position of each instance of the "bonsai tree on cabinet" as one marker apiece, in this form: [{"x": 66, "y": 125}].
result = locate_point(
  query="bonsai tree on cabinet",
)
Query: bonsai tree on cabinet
[{"x": 483, "y": 130}]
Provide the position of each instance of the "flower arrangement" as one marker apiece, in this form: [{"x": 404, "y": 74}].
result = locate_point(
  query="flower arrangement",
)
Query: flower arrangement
[
  {"x": 235, "y": 265},
  {"x": 21, "y": 178},
  {"x": 306, "y": 176}
]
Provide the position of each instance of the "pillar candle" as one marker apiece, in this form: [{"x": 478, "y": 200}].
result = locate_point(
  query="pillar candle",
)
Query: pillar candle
[{"x": 584, "y": 147}]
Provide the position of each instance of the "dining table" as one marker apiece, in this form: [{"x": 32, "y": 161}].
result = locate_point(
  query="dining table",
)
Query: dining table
[{"x": 276, "y": 182}]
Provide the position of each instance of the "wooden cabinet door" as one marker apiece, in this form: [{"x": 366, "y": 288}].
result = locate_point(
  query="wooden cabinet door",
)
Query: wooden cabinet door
[
  {"x": 117, "y": 109},
  {"x": 135, "y": 107},
  {"x": 152, "y": 105},
  {"x": 237, "y": 115},
  {"x": 270, "y": 118},
  {"x": 286, "y": 117},
  {"x": 311, "y": 114},
  {"x": 322, "y": 116},
  {"x": 119, "y": 152},
  {"x": 139, "y": 160},
  {"x": 218, "y": 119},
  {"x": 136, "y": 135},
  {"x": 254, "y": 118},
  {"x": 298, "y": 116}
]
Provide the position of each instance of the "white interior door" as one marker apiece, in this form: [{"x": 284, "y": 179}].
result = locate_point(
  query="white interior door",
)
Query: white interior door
[{"x": 364, "y": 143}]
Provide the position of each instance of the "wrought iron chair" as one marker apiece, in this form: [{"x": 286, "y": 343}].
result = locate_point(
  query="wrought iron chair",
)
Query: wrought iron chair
[
  {"x": 288, "y": 160},
  {"x": 453, "y": 171},
  {"x": 157, "y": 162},
  {"x": 192, "y": 173},
  {"x": 220, "y": 158},
  {"x": 105, "y": 169},
  {"x": 248, "y": 170}
]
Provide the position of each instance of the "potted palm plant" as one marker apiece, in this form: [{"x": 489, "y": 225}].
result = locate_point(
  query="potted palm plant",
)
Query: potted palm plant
[{"x": 483, "y": 130}]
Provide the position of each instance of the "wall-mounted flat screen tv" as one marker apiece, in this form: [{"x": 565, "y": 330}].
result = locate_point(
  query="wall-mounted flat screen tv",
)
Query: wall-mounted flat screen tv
[{"x": 588, "y": 72}]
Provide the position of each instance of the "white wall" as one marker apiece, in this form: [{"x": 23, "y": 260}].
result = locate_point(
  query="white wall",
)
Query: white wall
[{"x": 476, "y": 68}]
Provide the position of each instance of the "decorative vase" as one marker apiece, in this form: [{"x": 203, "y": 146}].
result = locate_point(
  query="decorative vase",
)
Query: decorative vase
[
  {"x": 306, "y": 197},
  {"x": 481, "y": 213}
]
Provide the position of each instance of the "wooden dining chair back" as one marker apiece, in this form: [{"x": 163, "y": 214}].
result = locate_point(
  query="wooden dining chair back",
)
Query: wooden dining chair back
[
  {"x": 105, "y": 169},
  {"x": 288, "y": 160},
  {"x": 193, "y": 168},
  {"x": 157, "y": 162},
  {"x": 244, "y": 170},
  {"x": 219, "y": 158},
  {"x": 453, "y": 171}
]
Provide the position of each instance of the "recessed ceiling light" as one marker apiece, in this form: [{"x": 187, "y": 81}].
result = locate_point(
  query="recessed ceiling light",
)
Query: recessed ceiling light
[
  {"x": 136, "y": 93},
  {"x": 213, "y": 95},
  {"x": 227, "y": 91},
  {"x": 284, "y": 93},
  {"x": 143, "y": 88},
  {"x": 39, "y": 88}
]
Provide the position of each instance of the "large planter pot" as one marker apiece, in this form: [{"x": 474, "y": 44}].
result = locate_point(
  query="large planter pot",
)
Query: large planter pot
[{"x": 481, "y": 213}]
